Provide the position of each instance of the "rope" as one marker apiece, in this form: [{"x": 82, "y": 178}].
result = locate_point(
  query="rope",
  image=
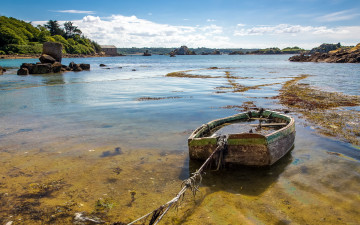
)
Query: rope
[{"x": 191, "y": 183}]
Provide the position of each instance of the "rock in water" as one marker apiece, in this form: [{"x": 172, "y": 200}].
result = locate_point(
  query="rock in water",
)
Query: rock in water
[
  {"x": 77, "y": 68},
  {"x": 46, "y": 59},
  {"x": 82, "y": 218},
  {"x": 85, "y": 66},
  {"x": 72, "y": 65},
  {"x": 56, "y": 67},
  {"x": 23, "y": 71},
  {"x": 53, "y": 49},
  {"x": 183, "y": 50},
  {"x": 41, "y": 68}
]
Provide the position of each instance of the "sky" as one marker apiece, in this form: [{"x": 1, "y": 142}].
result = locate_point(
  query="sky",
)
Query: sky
[{"x": 200, "y": 23}]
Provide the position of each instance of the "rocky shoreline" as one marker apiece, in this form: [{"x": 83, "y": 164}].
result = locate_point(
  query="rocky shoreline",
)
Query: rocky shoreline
[
  {"x": 36, "y": 56},
  {"x": 340, "y": 55}
]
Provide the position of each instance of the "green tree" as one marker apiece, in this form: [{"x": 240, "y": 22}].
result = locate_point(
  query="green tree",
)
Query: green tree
[
  {"x": 71, "y": 30},
  {"x": 54, "y": 28},
  {"x": 42, "y": 34},
  {"x": 9, "y": 36}
]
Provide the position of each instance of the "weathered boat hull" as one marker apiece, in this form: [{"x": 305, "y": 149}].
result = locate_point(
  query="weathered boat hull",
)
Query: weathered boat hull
[{"x": 246, "y": 148}]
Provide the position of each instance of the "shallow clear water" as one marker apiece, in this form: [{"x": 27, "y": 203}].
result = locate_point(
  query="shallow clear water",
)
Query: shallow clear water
[{"x": 76, "y": 118}]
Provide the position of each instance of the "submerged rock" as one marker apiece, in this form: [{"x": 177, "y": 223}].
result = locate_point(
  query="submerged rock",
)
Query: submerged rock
[{"x": 82, "y": 218}]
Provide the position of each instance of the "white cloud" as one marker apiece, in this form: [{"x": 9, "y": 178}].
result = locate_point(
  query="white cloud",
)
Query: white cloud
[
  {"x": 74, "y": 11},
  {"x": 212, "y": 29},
  {"x": 284, "y": 29},
  {"x": 339, "y": 16},
  {"x": 210, "y": 20},
  {"x": 284, "y": 35},
  {"x": 91, "y": 19},
  {"x": 130, "y": 31}
]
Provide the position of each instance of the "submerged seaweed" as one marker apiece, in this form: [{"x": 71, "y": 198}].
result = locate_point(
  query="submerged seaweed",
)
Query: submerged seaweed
[{"x": 323, "y": 109}]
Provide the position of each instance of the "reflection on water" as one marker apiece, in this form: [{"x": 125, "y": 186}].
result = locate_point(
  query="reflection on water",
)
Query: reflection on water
[
  {"x": 243, "y": 180},
  {"x": 82, "y": 142}
]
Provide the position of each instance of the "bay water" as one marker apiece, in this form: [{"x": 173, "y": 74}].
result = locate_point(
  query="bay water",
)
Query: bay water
[{"x": 113, "y": 141}]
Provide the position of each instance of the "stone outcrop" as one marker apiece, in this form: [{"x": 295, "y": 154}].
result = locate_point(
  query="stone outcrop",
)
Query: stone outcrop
[
  {"x": 2, "y": 70},
  {"x": 183, "y": 50},
  {"x": 53, "y": 49},
  {"x": 147, "y": 53},
  {"x": 46, "y": 59},
  {"x": 341, "y": 55},
  {"x": 325, "y": 48},
  {"x": 50, "y": 62},
  {"x": 216, "y": 52},
  {"x": 41, "y": 68},
  {"x": 84, "y": 66},
  {"x": 23, "y": 71},
  {"x": 44, "y": 68}
]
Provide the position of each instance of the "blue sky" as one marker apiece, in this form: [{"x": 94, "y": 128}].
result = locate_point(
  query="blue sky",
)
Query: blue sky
[{"x": 200, "y": 23}]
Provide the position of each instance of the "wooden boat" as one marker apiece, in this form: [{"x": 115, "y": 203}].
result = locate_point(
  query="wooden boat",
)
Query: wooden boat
[{"x": 252, "y": 147}]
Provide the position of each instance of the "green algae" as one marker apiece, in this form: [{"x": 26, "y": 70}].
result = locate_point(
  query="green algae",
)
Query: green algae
[
  {"x": 324, "y": 109},
  {"x": 156, "y": 98},
  {"x": 53, "y": 190},
  {"x": 186, "y": 75}
]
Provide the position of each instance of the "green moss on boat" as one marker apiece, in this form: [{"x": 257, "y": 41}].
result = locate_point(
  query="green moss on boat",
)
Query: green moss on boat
[{"x": 251, "y": 149}]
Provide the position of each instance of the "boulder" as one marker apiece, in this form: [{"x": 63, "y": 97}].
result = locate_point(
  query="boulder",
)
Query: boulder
[
  {"x": 1, "y": 71},
  {"x": 183, "y": 50},
  {"x": 72, "y": 65},
  {"x": 23, "y": 71},
  {"x": 85, "y": 66},
  {"x": 53, "y": 49},
  {"x": 41, "y": 68},
  {"x": 102, "y": 65},
  {"x": 65, "y": 68},
  {"x": 77, "y": 68},
  {"x": 56, "y": 67},
  {"x": 27, "y": 66},
  {"x": 46, "y": 59}
]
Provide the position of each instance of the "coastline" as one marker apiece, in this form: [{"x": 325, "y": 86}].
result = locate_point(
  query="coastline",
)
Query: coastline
[{"x": 36, "y": 56}]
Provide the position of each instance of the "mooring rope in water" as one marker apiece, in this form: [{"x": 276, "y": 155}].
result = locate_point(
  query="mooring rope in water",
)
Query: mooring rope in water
[{"x": 191, "y": 183}]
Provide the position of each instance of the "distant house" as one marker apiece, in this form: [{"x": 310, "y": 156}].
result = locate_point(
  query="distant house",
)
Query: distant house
[{"x": 109, "y": 49}]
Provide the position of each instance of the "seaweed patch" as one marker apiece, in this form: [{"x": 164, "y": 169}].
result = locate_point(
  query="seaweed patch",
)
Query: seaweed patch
[
  {"x": 156, "y": 98},
  {"x": 323, "y": 108}
]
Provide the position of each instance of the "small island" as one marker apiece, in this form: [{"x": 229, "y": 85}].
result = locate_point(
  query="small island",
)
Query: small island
[{"x": 330, "y": 53}]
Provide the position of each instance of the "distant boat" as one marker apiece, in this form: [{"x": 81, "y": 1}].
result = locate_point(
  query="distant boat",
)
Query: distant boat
[
  {"x": 249, "y": 144},
  {"x": 146, "y": 53}
]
